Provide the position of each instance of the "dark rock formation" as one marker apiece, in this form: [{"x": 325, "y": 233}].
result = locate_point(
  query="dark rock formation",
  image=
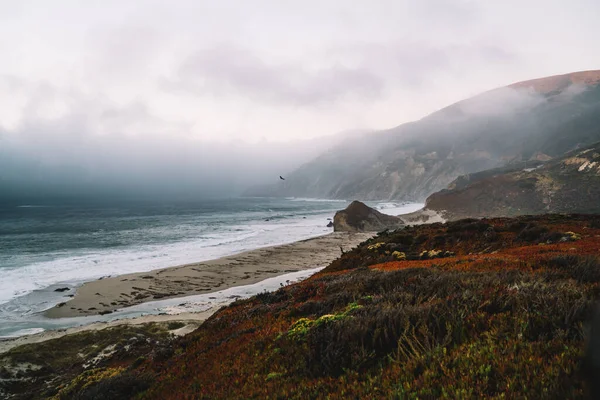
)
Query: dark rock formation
[{"x": 358, "y": 217}]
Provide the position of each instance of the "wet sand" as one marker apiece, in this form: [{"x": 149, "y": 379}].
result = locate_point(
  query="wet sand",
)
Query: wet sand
[{"x": 109, "y": 294}]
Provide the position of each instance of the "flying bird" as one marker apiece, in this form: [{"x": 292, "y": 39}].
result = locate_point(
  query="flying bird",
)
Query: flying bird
[{"x": 282, "y": 178}]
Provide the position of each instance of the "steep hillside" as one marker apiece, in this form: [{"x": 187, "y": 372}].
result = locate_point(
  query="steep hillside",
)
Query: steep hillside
[
  {"x": 538, "y": 119},
  {"x": 564, "y": 185},
  {"x": 471, "y": 309}
]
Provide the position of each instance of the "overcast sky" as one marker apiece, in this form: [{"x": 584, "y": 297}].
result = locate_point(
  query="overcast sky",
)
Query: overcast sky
[{"x": 274, "y": 70}]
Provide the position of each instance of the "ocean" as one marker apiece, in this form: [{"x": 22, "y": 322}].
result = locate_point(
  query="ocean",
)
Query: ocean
[{"x": 44, "y": 246}]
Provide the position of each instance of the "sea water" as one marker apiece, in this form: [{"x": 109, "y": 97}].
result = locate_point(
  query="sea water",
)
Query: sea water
[{"x": 52, "y": 245}]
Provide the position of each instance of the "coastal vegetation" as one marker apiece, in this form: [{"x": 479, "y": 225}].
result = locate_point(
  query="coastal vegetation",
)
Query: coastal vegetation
[
  {"x": 84, "y": 362},
  {"x": 491, "y": 308}
]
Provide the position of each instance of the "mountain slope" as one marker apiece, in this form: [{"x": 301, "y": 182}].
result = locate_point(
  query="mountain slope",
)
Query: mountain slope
[
  {"x": 564, "y": 185},
  {"x": 538, "y": 119}
]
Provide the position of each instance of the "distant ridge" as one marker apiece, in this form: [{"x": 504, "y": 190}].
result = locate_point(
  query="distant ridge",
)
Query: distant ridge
[{"x": 533, "y": 119}]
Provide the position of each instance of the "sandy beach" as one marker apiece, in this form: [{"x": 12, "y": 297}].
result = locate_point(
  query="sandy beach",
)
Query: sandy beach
[{"x": 109, "y": 294}]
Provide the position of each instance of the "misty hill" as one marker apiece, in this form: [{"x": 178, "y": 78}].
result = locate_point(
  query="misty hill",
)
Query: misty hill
[
  {"x": 569, "y": 184},
  {"x": 532, "y": 120}
]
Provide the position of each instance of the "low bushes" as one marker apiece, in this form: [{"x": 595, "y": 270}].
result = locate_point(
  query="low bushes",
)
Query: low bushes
[{"x": 498, "y": 310}]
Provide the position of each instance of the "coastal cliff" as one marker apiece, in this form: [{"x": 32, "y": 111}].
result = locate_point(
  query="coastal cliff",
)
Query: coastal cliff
[{"x": 568, "y": 184}]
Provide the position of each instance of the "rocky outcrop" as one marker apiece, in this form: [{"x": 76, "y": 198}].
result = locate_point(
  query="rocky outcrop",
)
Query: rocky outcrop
[
  {"x": 533, "y": 120},
  {"x": 358, "y": 217},
  {"x": 568, "y": 184}
]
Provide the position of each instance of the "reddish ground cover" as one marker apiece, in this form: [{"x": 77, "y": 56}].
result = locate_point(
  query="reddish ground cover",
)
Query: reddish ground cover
[{"x": 469, "y": 309}]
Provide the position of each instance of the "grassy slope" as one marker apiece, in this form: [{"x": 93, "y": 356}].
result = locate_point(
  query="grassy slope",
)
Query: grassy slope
[
  {"x": 504, "y": 314},
  {"x": 468, "y": 309},
  {"x": 63, "y": 367}
]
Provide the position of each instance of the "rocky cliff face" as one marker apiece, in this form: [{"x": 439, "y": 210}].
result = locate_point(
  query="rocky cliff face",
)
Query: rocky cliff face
[
  {"x": 533, "y": 120},
  {"x": 358, "y": 217},
  {"x": 568, "y": 184}
]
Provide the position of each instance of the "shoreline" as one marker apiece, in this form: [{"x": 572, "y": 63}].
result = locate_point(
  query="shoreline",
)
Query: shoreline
[
  {"x": 104, "y": 296},
  {"x": 190, "y": 311}
]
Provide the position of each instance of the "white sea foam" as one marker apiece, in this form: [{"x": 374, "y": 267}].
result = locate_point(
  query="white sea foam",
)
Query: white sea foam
[
  {"x": 24, "y": 332},
  {"x": 314, "y": 199},
  {"x": 85, "y": 265}
]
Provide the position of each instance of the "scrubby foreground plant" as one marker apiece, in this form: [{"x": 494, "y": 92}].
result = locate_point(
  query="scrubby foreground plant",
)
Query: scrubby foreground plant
[{"x": 473, "y": 309}]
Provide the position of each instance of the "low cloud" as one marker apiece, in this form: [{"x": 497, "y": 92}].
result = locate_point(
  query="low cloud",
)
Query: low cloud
[
  {"x": 102, "y": 149},
  {"x": 363, "y": 71},
  {"x": 229, "y": 70},
  {"x": 414, "y": 65}
]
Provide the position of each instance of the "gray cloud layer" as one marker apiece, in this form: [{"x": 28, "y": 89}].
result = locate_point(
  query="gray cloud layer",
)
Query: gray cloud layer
[
  {"x": 186, "y": 88},
  {"x": 228, "y": 70}
]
